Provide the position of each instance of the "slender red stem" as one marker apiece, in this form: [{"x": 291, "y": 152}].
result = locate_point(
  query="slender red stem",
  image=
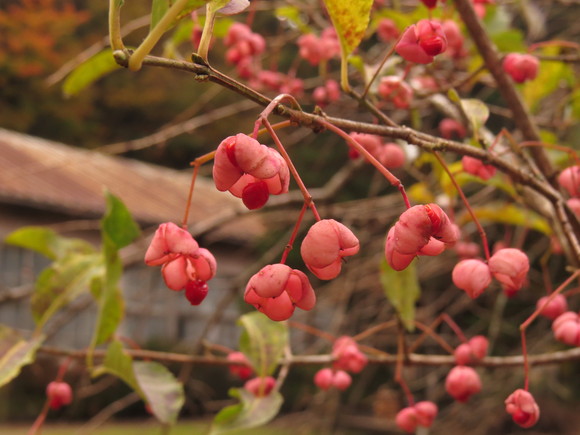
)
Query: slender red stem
[
  {"x": 435, "y": 336},
  {"x": 189, "y": 195},
  {"x": 399, "y": 368},
  {"x": 288, "y": 247},
  {"x": 554, "y": 43},
  {"x": 371, "y": 159},
  {"x": 467, "y": 206},
  {"x": 307, "y": 197},
  {"x": 454, "y": 326},
  {"x": 530, "y": 319}
]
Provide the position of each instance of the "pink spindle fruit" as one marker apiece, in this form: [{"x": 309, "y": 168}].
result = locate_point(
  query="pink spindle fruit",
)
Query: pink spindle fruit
[
  {"x": 277, "y": 289},
  {"x": 59, "y": 394},
  {"x": 347, "y": 355},
  {"x": 421, "y": 42},
  {"x": 566, "y": 328},
  {"x": 555, "y": 307},
  {"x": 521, "y": 67},
  {"x": 241, "y": 371},
  {"x": 523, "y": 408},
  {"x": 510, "y": 267},
  {"x": 325, "y": 246},
  {"x": 462, "y": 382},
  {"x": 472, "y": 276},
  {"x": 260, "y": 387}
]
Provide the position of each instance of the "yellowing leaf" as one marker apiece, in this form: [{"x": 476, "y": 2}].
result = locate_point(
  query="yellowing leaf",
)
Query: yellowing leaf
[
  {"x": 509, "y": 214},
  {"x": 350, "y": 19}
]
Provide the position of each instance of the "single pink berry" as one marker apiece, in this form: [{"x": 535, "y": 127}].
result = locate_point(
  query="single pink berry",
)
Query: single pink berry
[
  {"x": 523, "y": 408},
  {"x": 477, "y": 168},
  {"x": 557, "y": 306},
  {"x": 462, "y": 354},
  {"x": 59, "y": 394},
  {"x": 406, "y": 419},
  {"x": 462, "y": 382},
  {"x": 196, "y": 291},
  {"x": 391, "y": 156},
  {"x": 348, "y": 356},
  {"x": 387, "y": 30},
  {"x": 395, "y": 90},
  {"x": 421, "y": 42},
  {"x": 574, "y": 204},
  {"x": 241, "y": 371},
  {"x": 329, "y": 93},
  {"x": 510, "y": 267},
  {"x": 426, "y": 413},
  {"x": 566, "y": 328},
  {"x": 277, "y": 289},
  {"x": 450, "y": 128},
  {"x": 479, "y": 345},
  {"x": 180, "y": 257},
  {"x": 472, "y": 276},
  {"x": 325, "y": 246},
  {"x": 429, "y": 3},
  {"x": 323, "y": 378},
  {"x": 260, "y": 387},
  {"x": 341, "y": 380},
  {"x": 370, "y": 142},
  {"x": 467, "y": 249},
  {"x": 521, "y": 67},
  {"x": 455, "y": 39},
  {"x": 569, "y": 179}
]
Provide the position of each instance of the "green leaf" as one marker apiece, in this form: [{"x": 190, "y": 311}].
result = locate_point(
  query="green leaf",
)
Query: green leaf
[
  {"x": 89, "y": 71},
  {"x": 46, "y": 242},
  {"x": 190, "y": 6},
  {"x": 550, "y": 77},
  {"x": 251, "y": 412},
  {"x": 350, "y": 19},
  {"x": 16, "y": 353},
  {"x": 118, "y": 363},
  {"x": 118, "y": 224},
  {"x": 476, "y": 111},
  {"x": 402, "y": 290},
  {"x": 262, "y": 341},
  {"x": 162, "y": 391},
  {"x": 509, "y": 41},
  {"x": 63, "y": 281},
  {"x": 509, "y": 214},
  {"x": 158, "y": 9},
  {"x": 293, "y": 15}
]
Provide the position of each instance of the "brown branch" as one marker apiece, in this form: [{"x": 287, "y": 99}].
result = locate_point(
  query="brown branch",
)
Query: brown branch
[
  {"x": 492, "y": 59},
  {"x": 412, "y": 359}
]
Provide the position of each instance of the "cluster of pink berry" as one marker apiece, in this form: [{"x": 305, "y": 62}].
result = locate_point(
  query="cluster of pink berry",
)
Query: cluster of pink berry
[
  {"x": 316, "y": 49},
  {"x": 463, "y": 381},
  {"x": 260, "y": 386},
  {"x": 389, "y": 154},
  {"x": 508, "y": 265},
  {"x": 347, "y": 358},
  {"x": 243, "y": 46},
  {"x": 184, "y": 265},
  {"x": 420, "y": 414},
  {"x": 276, "y": 290}
]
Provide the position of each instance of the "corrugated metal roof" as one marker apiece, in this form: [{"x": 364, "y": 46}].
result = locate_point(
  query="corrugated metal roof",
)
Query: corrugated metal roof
[{"x": 48, "y": 175}]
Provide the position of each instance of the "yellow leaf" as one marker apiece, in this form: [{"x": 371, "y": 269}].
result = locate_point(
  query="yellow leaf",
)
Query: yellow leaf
[{"x": 350, "y": 19}]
